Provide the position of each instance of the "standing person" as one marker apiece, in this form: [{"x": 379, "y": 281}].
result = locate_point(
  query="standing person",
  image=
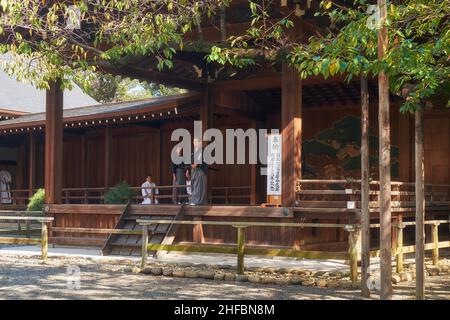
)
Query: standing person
[
  {"x": 179, "y": 179},
  {"x": 199, "y": 171},
  {"x": 148, "y": 189},
  {"x": 5, "y": 183}
]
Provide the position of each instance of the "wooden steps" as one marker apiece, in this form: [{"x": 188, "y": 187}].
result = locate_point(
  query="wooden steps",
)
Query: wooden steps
[{"x": 130, "y": 244}]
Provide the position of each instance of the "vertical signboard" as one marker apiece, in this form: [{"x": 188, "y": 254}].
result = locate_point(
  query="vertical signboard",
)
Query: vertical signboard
[{"x": 274, "y": 173}]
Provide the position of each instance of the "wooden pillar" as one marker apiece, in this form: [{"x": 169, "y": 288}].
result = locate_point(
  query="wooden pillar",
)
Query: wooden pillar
[
  {"x": 197, "y": 233},
  {"x": 420, "y": 206},
  {"x": 144, "y": 246},
  {"x": 83, "y": 163},
  {"x": 435, "y": 237},
  {"x": 161, "y": 138},
  {"x": 53, "y": 143},
  {"x": 254, "y": 176},
  {"x": 44, "y": 241},
  {"x": 399, "y": 250},
  {"x": 353, "y": 254},
  {"x": 240, "y": 248},
  {"x": 31, "y": 163},
  {"x": 404, "y": 145},
  {"x": 291, "y": 125},
  {"x": 18, "y": 197},
  {"x": 365, "y": 175},
  {"x": 206, "y": 111},
  {"x": 108, "y": 140},
  {"x": 206, "y": 117},
  {"x": 385, "y": 163}
]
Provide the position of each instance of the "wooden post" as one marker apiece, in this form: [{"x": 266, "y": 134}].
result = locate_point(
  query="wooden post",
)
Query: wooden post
[
  {"x": 240, "y": 249},
  {"x": 435, "y": 236},
  {"x": 399, "y": 261},
  {"x": 385, "y": 163},
  {"x": 420, "y": 207},
  {"x": 365, "y": 166},
  {"x": 108, "y": 138},
  {"x": 144, "y": 246},
  {"x": 27, "y": 228},
  {"x": 83, "y": 161},
  {"x": 353, "y": 254},
  {"x": 206, "y": 117},
  {"x": 291, "y": 125},
  {"x": 53, "y": 143},
  {"x": 17, "y": 197},
  {"x": 197, "y": 231},
  {"x": 31, "y": 164},
  {"x": 254, "y": 176},
  {"x": 44, "y": 241}
]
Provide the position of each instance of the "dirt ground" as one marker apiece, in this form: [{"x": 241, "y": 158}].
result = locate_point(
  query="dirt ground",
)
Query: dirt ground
[{"x": 24, "y": 277}]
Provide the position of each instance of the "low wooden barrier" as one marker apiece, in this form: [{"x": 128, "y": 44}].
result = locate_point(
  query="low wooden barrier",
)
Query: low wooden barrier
[
  {"x": 401, "y": 249},
  {"x": 351, "y": 255},
  {"x": 18, "y": 240},
  {"x": 240, "y": 248}
]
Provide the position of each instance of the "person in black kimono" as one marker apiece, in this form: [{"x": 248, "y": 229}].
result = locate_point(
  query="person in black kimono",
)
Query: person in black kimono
[
  {"x": 179, "y": 171},
  {"x": 199, "y": 171}
]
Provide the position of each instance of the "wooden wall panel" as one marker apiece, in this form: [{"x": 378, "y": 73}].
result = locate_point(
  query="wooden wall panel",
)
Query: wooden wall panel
[
  {"x": 437, "y": 148},
  {"x": 95, "y": 154},
  {"x": 72, "y": 173},
  {"x": 135, "y": 156}
]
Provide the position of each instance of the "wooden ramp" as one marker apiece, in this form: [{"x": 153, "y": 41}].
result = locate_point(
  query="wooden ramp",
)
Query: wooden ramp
[{"x": 130, "y": 244}]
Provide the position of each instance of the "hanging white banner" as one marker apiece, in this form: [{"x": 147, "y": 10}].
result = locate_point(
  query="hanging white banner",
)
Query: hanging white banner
[{"x": 274, "y": 156}]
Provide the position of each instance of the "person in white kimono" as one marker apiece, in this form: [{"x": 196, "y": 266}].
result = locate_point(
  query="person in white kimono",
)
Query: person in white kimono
[
  {"x": 5, "y": 183},
  {"x": 147, "y": 193}
]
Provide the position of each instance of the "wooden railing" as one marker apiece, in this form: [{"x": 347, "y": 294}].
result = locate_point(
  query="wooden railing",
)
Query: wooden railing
[
  {"x": 227, "y": 195},
  {"x": 345, "y": 195},
  {"x": 25, "y": 216},
  {"x": 18, "y": 196},
  {"x": 220, "y": 195}
]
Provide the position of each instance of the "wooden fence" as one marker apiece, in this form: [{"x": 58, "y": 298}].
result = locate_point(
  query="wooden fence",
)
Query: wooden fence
[
  {"x": 216, "y": 195},
  {"x": 17, "y": 216},
  {"x": 351, "y": 255}
]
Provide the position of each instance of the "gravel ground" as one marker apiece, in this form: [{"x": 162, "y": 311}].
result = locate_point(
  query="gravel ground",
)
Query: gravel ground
[{"x": 24, "y": 277}]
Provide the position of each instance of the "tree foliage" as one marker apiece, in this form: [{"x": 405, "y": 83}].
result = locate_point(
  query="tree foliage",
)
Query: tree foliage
[
  {"x": 46, "y": 44},
  {"x": 416, "y": 60},
  {"x": 106, "y": 88},
  {"x": 50, "y": 39}
]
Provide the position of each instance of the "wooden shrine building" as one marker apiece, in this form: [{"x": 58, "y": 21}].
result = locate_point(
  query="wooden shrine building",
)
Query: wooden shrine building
[{"x": 78, "y": 154}]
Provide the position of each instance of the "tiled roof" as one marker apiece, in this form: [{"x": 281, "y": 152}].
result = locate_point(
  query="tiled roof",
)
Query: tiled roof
[{"x": 106, "y": 110}]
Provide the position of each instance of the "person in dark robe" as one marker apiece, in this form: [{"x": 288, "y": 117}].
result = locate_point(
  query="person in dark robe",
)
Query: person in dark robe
[
  {"x": 179, "y": 194},
  {"x": 199, "y": 171}
]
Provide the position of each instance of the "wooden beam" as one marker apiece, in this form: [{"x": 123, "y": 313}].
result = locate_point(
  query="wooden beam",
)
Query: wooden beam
[
  {"x": 219, "y": 109},
  {"x": 262, "y": 83},
  {"x": 384, "y": 163},
  {"x": 420, "y": 206},
  {"x": 53, "y": 143},
  {"x": 365, "y": 169},
  {"x": 156, "y": 77}
]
